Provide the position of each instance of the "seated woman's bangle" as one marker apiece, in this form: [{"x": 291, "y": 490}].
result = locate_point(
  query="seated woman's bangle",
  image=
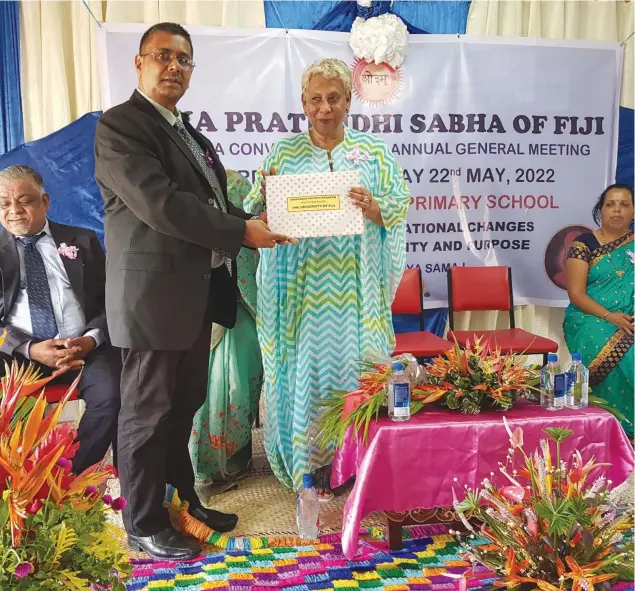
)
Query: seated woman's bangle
[{"x": 605, "y": 315}]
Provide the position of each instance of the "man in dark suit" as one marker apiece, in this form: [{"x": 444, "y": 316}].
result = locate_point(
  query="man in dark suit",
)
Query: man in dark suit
[
  {"x": 171, "y": 240},
  {"x": 52, "y": 306}
]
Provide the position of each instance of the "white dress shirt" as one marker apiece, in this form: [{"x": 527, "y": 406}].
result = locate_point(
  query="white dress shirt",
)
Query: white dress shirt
[
  {"x": 172, "y": 118},
  {"x": 69, "y": 315}
]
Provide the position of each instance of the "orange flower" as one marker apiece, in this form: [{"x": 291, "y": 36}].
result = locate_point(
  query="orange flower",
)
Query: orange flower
[{"x": 583, "y": 577}]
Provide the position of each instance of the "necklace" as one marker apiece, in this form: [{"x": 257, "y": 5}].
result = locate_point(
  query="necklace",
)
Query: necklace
[{"x": 618, "y": 272}]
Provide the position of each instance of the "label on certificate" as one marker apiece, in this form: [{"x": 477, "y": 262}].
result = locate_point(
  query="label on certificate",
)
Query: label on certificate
[{"x": 313, "y": 205}]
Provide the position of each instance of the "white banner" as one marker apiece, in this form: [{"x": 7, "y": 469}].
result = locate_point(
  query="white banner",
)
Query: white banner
[{"x": 505, "y": 143}]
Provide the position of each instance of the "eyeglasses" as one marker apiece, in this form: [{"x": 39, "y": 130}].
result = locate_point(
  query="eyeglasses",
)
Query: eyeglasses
[{"x": 165, "y": 58}]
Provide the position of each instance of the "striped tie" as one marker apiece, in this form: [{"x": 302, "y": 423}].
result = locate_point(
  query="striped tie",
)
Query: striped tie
[
  {"x": 199, "y": 154},
  {"x": 38, "y": 290}
]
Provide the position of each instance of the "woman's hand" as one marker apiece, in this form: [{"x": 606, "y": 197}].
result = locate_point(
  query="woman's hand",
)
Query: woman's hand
[
  {"x": 621, "y": 320},
  {"x": 263, "y": 183},
  {"x": 364, "y": 199}
]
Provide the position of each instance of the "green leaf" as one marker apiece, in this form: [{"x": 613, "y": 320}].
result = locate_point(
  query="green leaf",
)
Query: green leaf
[
  {"x": 557, "y": 513},
  {"x": 4, "y": 513},
  {"x": 604, "y": 404},
  {"x": 557, "y": 434},
  {"x": 580, "y": 511}
]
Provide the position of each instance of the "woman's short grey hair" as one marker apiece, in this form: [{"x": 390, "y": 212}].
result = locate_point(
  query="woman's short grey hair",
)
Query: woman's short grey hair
[
  {"x": 329, "y": 68},
  {"x": 19, "y": 171}
]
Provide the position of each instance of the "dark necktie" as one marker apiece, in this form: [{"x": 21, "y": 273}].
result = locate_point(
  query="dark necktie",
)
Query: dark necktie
[
  {"x": 199, "y": 154},
  {"x": 38, "y": 290}
]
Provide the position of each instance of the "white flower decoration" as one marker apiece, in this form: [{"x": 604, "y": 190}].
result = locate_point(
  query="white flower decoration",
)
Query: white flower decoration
[{"x": 382, "y": 39}]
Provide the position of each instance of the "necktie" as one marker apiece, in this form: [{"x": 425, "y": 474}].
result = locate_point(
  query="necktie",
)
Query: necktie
[
  {"x": 38, "y": 290},
  {"x": 199, "y": 154}
]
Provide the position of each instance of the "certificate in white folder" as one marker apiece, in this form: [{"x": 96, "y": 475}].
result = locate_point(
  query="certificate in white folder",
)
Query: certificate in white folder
[{"x": 313, "y": 205}]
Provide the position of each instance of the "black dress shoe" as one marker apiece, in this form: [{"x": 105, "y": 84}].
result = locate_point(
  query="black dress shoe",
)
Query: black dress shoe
[
  {"x": 221, "y": 522},
  {"x": 167, "y": 544}
]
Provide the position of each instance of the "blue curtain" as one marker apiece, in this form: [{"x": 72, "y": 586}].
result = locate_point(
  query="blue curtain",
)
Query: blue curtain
[
  {"x": 305, "y": 14},
  {"x": 434, "y": 16},
  {"x": 421, "y": 16},
  {"x": 66, "y": 161},
  {"x": 11, "y": 126},
  {"x": 625, "y": 156}
]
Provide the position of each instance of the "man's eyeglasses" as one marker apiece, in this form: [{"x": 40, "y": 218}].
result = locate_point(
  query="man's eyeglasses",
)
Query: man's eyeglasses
[{"x": 165, "y": 58}]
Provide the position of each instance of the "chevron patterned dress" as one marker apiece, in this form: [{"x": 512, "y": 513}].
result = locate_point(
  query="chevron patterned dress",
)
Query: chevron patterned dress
[{"x": 324, "y": 304}]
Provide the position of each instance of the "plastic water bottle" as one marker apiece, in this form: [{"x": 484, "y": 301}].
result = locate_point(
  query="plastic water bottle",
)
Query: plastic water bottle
[
  {"x": 308, "y": 510},
  {"x": 577, "y": 383},
  {"x": 398, "y": 394},
  {"x": 553, "y": 384}
]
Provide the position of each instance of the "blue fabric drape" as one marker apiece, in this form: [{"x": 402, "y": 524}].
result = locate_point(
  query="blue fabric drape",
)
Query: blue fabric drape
[
  {"x": 434, "y": 321},
  {"x": 339, "y": 16},
  {"x": 625, "y": 156},
  {"x": 66, "y": 161},
  {"x": 11, "y": 125},
  {"x": 305, "y": 14},
  {"x": 433, "y": 16}
]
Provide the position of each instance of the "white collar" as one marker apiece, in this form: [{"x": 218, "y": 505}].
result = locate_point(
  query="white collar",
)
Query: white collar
[{"x": 168, "y": 115}]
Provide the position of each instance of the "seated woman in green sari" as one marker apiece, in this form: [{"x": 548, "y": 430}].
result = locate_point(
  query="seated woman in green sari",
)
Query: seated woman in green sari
[
  {"x": 599, "y": 320},
  {"x": 220, "y": 444}
]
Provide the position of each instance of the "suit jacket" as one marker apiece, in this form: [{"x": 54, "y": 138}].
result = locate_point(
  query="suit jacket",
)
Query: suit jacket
[
  {"x": 86, "y": 274},
  {"x": 161, "y": 229}
]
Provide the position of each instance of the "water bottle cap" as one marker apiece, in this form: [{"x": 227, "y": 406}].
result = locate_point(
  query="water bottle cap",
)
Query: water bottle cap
[
  {"x": 552, "y": 357},
  {"x": 307, "y": 481},
  {"x": 576, "y": 356},
  {"x": 397, "y": 366}
]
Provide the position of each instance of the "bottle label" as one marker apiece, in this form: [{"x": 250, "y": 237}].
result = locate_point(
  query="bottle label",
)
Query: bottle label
[
  {"x": 578, "y": 389},
  {"x": 559, "y": 388},
  {"x": 401, "y": 397}
]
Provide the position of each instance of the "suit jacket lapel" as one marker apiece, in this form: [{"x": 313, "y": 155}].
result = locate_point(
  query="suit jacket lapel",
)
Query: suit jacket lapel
[
  {"x": 146, "y": 107},
  {"x": 74, "y": 267},
  {"x": 10, "y": 265}
]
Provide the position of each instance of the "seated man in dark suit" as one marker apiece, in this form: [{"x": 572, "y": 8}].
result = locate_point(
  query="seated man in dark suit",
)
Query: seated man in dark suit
[{"x": 52, "y": 306}]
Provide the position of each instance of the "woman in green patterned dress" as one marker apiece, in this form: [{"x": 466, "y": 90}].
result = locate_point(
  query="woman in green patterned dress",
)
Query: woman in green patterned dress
[
  {"x": 599, "y": 320},
  {"x": 324, "y": 304},
  {"x": 220, "y": 444}
]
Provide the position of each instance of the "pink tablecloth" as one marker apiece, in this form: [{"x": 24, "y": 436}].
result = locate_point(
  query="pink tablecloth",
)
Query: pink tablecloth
[{"x": 412, "y": 465}]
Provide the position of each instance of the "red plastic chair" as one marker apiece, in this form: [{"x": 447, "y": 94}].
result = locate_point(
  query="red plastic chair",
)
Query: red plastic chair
[
  {"x": 55, "y": 392},
  {"x": 490, "y": 288},
  {"x": 409, "y": 300}
]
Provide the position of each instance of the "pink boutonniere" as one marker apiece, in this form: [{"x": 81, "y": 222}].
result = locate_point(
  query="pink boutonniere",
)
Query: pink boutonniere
[
  {"x": 356, "y": 156},
  {"x": 631, "y": 254},
  {"x": 68, "y": 251}
]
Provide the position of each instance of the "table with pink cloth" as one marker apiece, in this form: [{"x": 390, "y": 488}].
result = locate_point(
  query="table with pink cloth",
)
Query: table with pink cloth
[{"x": 413, "y": 464}]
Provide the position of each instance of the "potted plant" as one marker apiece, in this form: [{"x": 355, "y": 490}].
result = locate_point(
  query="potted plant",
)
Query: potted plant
[
  {"x": 552, "y": 526},
  {"x": 53, "y": 530}
]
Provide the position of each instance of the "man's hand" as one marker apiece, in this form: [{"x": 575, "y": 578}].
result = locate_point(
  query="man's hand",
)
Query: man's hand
[
  {"x": 50, "y": 352},
  {"x": 76, "y": 350},
  {"x": 263, "y": 183},
  {"x": 258, "y": 235}
]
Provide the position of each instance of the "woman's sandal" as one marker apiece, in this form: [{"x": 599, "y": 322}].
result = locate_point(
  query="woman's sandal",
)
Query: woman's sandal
[{"x": 322, "y": 482}]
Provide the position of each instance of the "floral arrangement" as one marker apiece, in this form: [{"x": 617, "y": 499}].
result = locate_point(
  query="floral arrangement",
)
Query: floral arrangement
[
  {"x": 467, "y": 380},
  {"x": 476, "y": 378},
  {"x": 378, "y": 37},
  {"x": 552, "y": 527},
  {"x": 53, "y": 530}
]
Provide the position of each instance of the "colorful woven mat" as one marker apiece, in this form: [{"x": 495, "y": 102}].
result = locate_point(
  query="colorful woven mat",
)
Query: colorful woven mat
[
  {"x": 428, "y": 553},
  {"x": 420, "y": 565}
]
